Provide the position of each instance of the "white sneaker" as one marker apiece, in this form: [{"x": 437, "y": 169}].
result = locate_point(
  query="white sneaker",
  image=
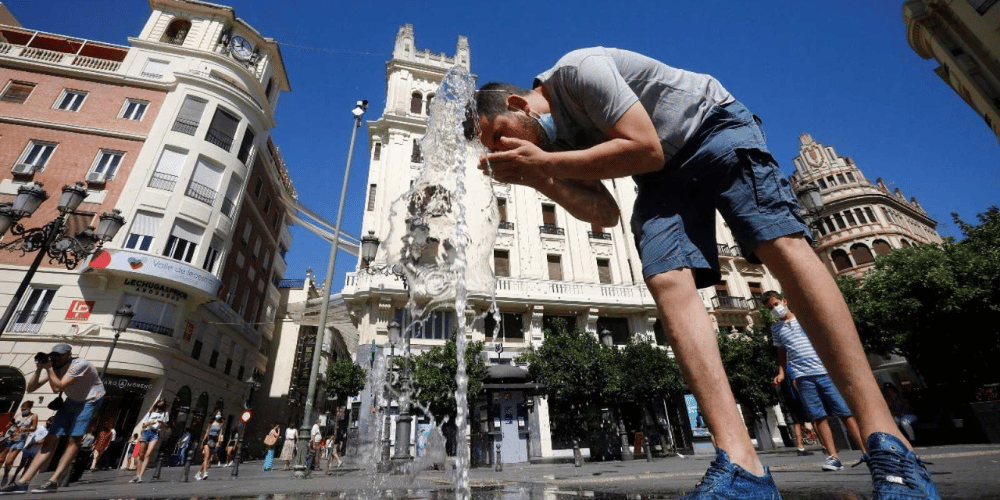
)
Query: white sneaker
[{"x": 197, "y": 477}]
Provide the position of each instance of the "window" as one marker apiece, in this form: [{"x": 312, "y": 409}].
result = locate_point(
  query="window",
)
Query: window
[
  {"x": 229, "y": 366},
  {"x": 982, "y": 6},
  {"x": 151, "y": 315},
  {"x": 270, "y": 87},
  {"x": 840, "y": 221},
  {"x": 822, "y": 184},
  {"x": 256, "y": 248},
  {"x": 223, "y": 129},
  {"x": 246, "y": 232},
  {"x": 204, "y": 183},
  {"x": 511, "y": 326},
  {"x": 548, "y": 214},
  {"x": 196, "y": 349},
  {"x": 229, "y": 202},
  {"x": 415, "y": 155},
  {"x": 34, "y": 158},
  {"x": 722, "y": 289},
  {"x": 231, "y": 289},
  {"x": 850, "y": 218},
  {"x": 267, "y": 205},
  {"x": 850, "y": 176},
  {"x": 437, "y": 326},
  {"x": 183, "y": 241},
  {"x": 430, "y": 97},
  {"x": 871, "y": 215},
  {"x": 176, "y": 31},
  {"x": 502, "y": 209},
  {"x": 756, "y": 292},
  {"x": 501, "y": 262},
  {"x": 840, "y": 260},
  {"x": 212, "y": 255},
  {"x": 829, "y": 224},
  {"x": 168, "y": 170},
  {"x": 246, "y": 146},
  {"x": 105, "y": 166},
  {"x": 840, "y": 179},
  {"x": 189, "y": 116},
  {"x": 133, "y": 109},
  {"x": 416, "y": 102},
  {"x": 155, "y": 69},
  {"x": 143, "y": 231},
  {"x": 604, "y": 271},
  {"x": 71, "y": 100},
  {"x": 17, "y": 92},
  {"x": 371, "y": 197},
  {"x": 861, "y": 215},
  {"x": 377, "y": 151},
  {"x": 33, "y": 310},
  {"x": 243, "y": 303},
  {"x": 555, "y": 267},
  {"x": 881, "y": 247},
  {"x": 257, "y": 186},
  {"x": 861, "y": 254},
  {"x": 213, "y": 360}
]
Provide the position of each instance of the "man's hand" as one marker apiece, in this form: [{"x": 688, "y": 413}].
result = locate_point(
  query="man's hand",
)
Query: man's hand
[
  {"x": 779, "y": 378},
  {"x": 518, "y": 162}
]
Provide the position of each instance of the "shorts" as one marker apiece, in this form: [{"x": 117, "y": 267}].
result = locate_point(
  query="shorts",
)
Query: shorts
[
  {"x": 725, "y": 166},
  {"x": 74, "y": 418},
  {"x": 28, "y": 453},
  {"x": 211, "y": 443},
  {"x": 820, "y": 397},
  {"x": 793, "y": 403},
  {"x": 18, "y": 445},
  {"x": 149, "y": 434}
]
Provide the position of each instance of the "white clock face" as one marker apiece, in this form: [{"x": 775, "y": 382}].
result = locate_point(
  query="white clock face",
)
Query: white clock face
[{"x": 241, "y": 48}]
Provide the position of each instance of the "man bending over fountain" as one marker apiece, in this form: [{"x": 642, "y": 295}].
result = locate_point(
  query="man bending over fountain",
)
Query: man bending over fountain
[{"x": 692, "y": 149}]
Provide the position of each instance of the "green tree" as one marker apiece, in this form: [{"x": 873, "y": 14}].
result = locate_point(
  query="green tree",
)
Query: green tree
[
  {"x": 344, "y": 379},
  {"x": 937, "y": 305},
  {"x": 434, "y": 372},
  {"x": 751, "y": 364}
]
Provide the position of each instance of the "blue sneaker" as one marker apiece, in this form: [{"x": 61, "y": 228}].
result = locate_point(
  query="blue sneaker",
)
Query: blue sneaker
[
  {"x": 726, "y": 480},
  {"x": 897, "y": 473}
]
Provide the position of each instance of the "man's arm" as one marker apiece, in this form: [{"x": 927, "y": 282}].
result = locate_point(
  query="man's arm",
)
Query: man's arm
[
  {"x": 36, "y": 379},
  {"x": 782, "y": 360},
  {"x": 57, "y": 383}
]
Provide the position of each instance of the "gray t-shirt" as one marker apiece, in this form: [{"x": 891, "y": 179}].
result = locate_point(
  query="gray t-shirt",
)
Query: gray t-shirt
[
  {"x": 590, "y": 90},
  {"x": 87, "y": 386}
]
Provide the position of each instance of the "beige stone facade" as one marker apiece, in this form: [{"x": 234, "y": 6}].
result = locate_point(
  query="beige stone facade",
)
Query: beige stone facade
[{"x": 963, "y": 36}]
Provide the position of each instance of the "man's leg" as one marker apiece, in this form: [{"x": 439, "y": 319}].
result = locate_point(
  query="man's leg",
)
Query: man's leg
[
  {"x": 821, "y": 309},
  {"x": 797, "y": 429},
  {"x": 825, "y": 435},
  {"x": 689, "y": 330},
  {"x": 851, "y": 424},
  {"x": 48, "y": 446},
  {"x": 72, "y": 447}
]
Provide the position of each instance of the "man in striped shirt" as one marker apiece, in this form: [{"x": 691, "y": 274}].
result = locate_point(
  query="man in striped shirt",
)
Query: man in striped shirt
[{"x": 819, "y": 396}]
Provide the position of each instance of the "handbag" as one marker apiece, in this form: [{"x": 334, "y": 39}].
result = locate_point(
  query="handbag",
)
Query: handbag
[
  {"x": 57, "y": 403},
  {"x": 270, "y": 440}
]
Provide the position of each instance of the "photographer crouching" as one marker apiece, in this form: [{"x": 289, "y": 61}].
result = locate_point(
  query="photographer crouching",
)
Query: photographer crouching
[{"x": 77, "y": 378}]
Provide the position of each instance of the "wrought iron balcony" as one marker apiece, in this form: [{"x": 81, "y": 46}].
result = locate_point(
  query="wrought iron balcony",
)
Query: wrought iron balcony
[
  {"x": 731, "y": 303},
  {"x": 551, "y": 229},
  {"x": 506, "y": 225},
  {"x": 151, "y": 327},
  {"x": 201, "y": 192},
  {"x": 27, "y": 321},
  {"x": 599, "y": 235},
  {"x": 729, "y": 251},
  {"x": 164, "y": 181}
]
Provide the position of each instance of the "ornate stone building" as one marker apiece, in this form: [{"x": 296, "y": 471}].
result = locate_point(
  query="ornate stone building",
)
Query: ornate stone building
[{"x": 964, "y": 37}]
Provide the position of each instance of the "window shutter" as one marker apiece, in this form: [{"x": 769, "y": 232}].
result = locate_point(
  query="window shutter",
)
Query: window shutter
[
  {"x": 145, "y": 224},
  {"x": 549, "y": 215},
  {"x": 223, "y": 129},
  {"x": 501, "y": 261},
  {"x": 604, "y": 271},
  {"x": 207, "y": 174},
  {"x": 555, "y": 268},
  {"x": 186, "y": 231},
  {"x": 190, "y": 115}
]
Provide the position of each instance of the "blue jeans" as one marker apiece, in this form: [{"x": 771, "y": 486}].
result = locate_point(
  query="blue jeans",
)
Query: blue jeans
[
  {"x": 725, "y": 166},
  {"x": 74, "y": 418}
]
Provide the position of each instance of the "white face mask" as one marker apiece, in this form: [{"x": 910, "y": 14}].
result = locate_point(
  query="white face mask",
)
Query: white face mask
[
  {"x": 779, "y": 311},
  {"x": 25, "y": 412}
]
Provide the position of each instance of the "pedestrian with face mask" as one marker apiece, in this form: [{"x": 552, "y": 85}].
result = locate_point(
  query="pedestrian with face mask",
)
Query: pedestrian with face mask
[
  {"x": 79, "y": 381},
  {"x": 153, "y": 424},
  {"x": 21, "y": 428},
  {"x": 208, "y": 444}
]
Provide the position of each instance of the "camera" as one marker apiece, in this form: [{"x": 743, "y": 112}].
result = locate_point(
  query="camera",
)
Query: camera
[{"x": 41, "y": 357}]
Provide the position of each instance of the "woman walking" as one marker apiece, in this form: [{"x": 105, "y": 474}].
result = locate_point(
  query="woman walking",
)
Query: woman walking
[
  {"x": 269, "y": 442},
  {"x": 157, "y": 419},
  {"x": 208, "y": 444},
  {"x": 288, "y": 449},
  {"x": 130, "y": 453}
]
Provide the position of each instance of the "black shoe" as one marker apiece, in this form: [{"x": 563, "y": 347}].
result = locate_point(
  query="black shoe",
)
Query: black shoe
[{"x": 14, "y": 488}]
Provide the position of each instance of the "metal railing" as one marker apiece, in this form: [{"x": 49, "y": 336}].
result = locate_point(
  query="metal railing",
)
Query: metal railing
[
  {"x": 219, "y": 138},
  {"x": 227, "y": 207},
  {"x": 200, "y": 192},
  {"x": 731, "y": 303},
  {"x": 183, "y": 126},
  {"x": 599, "y": 235},
  {"x": 291, "y": 283},
  {"x": 27, "y": 321},
  {"x": 151, "y": 327},
  {"x": 504, "y": 224},
  {"x": 551, "y": 229},
  {"x": 729, "y": 251},
  {"x": 160, "y": 180}
]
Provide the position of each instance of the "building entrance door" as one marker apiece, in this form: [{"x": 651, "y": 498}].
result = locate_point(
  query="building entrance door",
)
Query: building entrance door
[{"x": 514, "y": 444}]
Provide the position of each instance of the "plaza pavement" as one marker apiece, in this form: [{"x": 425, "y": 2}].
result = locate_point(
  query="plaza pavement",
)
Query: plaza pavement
[{"x": 961, "y": 471}]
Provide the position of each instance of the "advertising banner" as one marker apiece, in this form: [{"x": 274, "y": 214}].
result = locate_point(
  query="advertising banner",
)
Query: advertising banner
[{"x": 158, "y": 267}]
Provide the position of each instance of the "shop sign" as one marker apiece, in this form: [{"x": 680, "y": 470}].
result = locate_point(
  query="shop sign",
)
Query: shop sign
[
  {"x": 156, "y": 289},
  {"x": 124, "y": 383},
  {"x": 79, "y": 310},
  {"x": 159, "y": 267},
  {"x": 188, "y": 330}
]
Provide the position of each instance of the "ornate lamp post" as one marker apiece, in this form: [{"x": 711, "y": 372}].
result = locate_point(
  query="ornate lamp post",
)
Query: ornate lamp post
[
  {"x": 405, "y": 421},
  {"x": 51, "y": 239},
  {"x": 119, "y": 324},
  {"x": 304, "y": 438},
  {"x": 608, "y": 340},
  {"x": 387, "y": 413},
  {"x": 812, "y": 205}
]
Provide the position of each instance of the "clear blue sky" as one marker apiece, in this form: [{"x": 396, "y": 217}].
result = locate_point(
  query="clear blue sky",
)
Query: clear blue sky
[{"x": 842, "y": 72}]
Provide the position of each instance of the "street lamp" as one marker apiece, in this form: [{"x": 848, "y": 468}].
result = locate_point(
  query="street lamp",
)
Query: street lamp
[
  {"x": 123, "y": 317},
  {"x": 609, "y": 340},
  {"x": 51, "y": 239},
  {"x": 812, "y": 205},
  {"x": 369, "y": 250},
  {"x": 304, "y": 438},
  {"x": 394, "y": 334},
  {"x": 404, "y": 421}
]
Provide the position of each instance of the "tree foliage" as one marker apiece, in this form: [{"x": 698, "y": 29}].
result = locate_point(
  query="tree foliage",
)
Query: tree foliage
[
  {"x": 937, "y": 305},
  {"x": 751, "y": 364},
  {"x": 344, "y": 379},
  {"x": 434, "y": 372}
]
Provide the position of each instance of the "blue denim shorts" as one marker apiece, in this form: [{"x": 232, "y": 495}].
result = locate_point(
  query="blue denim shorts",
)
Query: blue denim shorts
[
  {"x": 820, "y": 397},
  {"x": 149, "y": 434},
  {"x": 19, "y": 444},
  {"x": 74, "y": 417},
  {"x": 725, "y": 166}
]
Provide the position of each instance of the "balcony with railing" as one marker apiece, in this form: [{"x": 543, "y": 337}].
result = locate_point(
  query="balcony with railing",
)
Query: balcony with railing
[
  {"x": 505, "y": 224},
  {"x": 551, "y": 229},
  {"x": 227, "y": 207},
  {"x": 219, "y": 138},
  {"x": 599, "y": 235},
  {"x": 729, "y": 251},
  {"x": 163, "y": 181},
  {"x": 48, "y": 48},
  {"x": 200, "y": 192},
  {"x": 731, "y": 303},
  {"x": 151, "y": 327},
  {"x": 27, "y": 321}
]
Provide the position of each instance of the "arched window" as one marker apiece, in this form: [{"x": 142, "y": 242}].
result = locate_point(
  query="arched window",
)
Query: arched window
[
  {"x": 416, "y": 101},
  {"x": 841, "y": 260},
  {"x": 904, "y": 243},
  {"x": 415, "y": 155},
  {"x": 430, "y": 97},
  {"x": 200, "y": 410},
  {"x": 176, "y": 32},
  {"x": 180, "y": 409},
  {"x": 862, "y": 254},
  {"x": 13, "y": 384},
  {"x": 881, "y": 247}
]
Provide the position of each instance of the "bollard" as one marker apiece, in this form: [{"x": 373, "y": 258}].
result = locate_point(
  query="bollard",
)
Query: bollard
[
  {"x": 188, "y": 456},
  {"x": 239, "y": 450},
  {"x": 577, "y": 454},
  {"x": 498, "y": 467},
  {"x": 159, "y": 463},
  {"x": 645, "y": 445}
]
